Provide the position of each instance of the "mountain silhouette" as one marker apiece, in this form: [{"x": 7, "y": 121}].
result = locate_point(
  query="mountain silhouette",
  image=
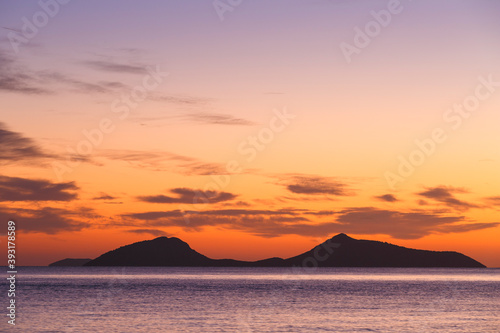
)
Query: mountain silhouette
[
  {"x": 367, "y": 253},
  {"x": 70, "y": 262},
  {"x": 338, "y": 251}
]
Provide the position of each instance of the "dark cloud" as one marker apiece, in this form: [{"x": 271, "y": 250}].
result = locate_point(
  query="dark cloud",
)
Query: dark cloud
[
  {"x": 190, "y": 196},
  {"x": 104, "y": 196},
  {"x": 445, "y": 195},
  {"x": 265, "y": 223},
  {"x": 260, "y": 225},
  {"x": 207, "y": 213},
  {"x": 218, "y": 119},
  {"x": 246, "y": 212},
  {"x": 273, "y": 223},
  {"x": 47, "y": 220},
  {"x": 154, "y": 232},
  {"x": 315, "y": 185},
  {"x": 22, "y": 189},
  {"x": 403, "y": 225},
  {"x": 111, "y": 66},
  {"x": 320, "y": 212},
  {"x": 495, "y": 201},
  {"x": 242, "y": 203},
  {"x": 148, "y": 216},
  {"x": 387, "y": 197},
  {"x": 15, "y": 147}
]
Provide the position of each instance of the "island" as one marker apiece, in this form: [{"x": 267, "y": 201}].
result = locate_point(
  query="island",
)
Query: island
[
  {"x": 338, "y": 251},
  {"x": 70, "y": 262}
]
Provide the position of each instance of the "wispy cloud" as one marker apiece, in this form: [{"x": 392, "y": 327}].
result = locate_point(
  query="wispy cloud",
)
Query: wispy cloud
[
  {"x": 404, "y": 225},
  {"x": 217, "y": 119},
  {"x": 165, "y": 161},
  {"x": 22, "y": 189},
  {"x": 189, "y": 196},
  {"x": 115, "y": 67},
  {"x": 273, "y": 223},
  {"x": 446, "y": 196},
  {"x": 265, "y": 223},
  {"x": 495, "y": 201},
  {"x": 182, "y": 100},
  {"x": 15, "y": 147},
  {"x": 54, "y": 78},
  {"x": 15, "y": 79}
]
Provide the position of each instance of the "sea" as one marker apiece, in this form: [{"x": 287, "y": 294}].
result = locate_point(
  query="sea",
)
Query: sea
[{"x": 175, "y": 299}]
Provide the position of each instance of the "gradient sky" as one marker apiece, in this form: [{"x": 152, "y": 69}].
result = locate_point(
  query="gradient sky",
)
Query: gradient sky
[{"x": 161, "y": 166}]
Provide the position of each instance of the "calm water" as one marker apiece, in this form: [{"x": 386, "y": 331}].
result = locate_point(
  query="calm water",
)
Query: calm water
[{"x": 95, "y": 299}]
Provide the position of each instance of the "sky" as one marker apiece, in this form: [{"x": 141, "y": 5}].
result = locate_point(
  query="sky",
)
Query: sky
[{"x": 249, "y": 129}]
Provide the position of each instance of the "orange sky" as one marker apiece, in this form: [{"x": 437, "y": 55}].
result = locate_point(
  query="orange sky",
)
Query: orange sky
[{"x": 253, "y": 136}]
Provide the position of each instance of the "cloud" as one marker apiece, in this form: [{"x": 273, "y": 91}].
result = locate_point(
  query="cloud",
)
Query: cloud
[
  {"x": 18, "y": 78},
  {"x": 20, "y": 83},
  {"x": 190, "y": 196},
  {"x": 403, "y": 225},
  {"x": 148, "y": 216},
  {"x": 260, "y": 223},
  {"x": 15, "y": 147},
  {"x": 246, "y": 212},
  {"x": 22, "y": 189},
  {"x": 182, "y": 100},
  {"x": 315, "y": 185},
  {"x": 165, "y": 161},
  {"x": 273, "y": 223},
  {"x": 200, "y": 118},
  {"x": 264, "y": 223},
  {"x": 387, "y": 197},
  {"x": 495, "y": 201},
  {"x": 102, "y": 87},
  {"x": 217, "y": 119},
  {"x": 46, "y": 220},
  {"x": 154, "y": 232},
  {"x": 13, "y": 78},
  {"x": 445, "y": 195},
  {"x": 114, "y": 67},
  {"x": 104, "y": 196},
  {"x": 321, "y": 212}
]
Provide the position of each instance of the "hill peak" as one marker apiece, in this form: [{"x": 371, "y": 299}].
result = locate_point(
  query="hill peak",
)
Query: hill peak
[
  {"x": 167, "y": 239},
  {"x": 342, "y": 238}
]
